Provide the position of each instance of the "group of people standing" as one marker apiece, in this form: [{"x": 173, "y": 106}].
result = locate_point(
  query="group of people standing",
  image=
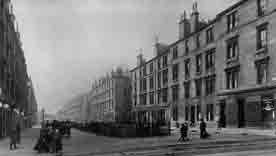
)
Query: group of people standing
[
  {"x": 184, "y": 131},
  {"x": 50, "y": 138}
]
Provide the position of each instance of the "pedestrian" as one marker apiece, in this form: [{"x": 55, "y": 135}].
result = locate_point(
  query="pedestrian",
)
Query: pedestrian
[
  {"x": 203, "y": 131},
  {"x": 18, "y": 132},
  {"x": 184, "y": 132},
  {"x": 13, "y": 138}
]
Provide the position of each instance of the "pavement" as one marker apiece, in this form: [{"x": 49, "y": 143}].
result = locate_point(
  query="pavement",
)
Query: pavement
[{"x": 86, "y": 144}]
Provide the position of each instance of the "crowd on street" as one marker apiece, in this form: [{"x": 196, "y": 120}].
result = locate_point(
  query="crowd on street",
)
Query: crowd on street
[{"x": 51, "y": 134}]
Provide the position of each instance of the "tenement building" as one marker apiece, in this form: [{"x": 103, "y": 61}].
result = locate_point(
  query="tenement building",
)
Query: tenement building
[
  {"x": 222, "y": 69},
  {"x": 110, "y": 98},
  {"x": 14, "y": 103}
]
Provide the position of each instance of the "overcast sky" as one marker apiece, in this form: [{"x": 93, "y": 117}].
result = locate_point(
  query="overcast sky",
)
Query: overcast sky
[{"x": 69, "y": 43}]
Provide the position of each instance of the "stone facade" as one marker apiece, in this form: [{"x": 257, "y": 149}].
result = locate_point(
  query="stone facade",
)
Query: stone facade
[
  {"x": 220, "y": 69},
  {"x": 109, "y": 99},
  {"x": 14, "y": 79}
]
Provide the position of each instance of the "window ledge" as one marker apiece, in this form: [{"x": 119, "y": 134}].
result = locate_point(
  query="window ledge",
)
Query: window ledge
[
  {"x": 261, "y": 50},
  {"x": 234, "y": 59}
]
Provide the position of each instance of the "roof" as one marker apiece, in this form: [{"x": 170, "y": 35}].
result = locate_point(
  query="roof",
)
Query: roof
[{"x": 218, "y": 16}]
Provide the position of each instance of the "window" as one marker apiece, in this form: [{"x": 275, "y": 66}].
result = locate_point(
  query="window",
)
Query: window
[
  {"x": 175, "y": 72},
  {"x": 165, "y": 61},
  {"x": 165, "y": 77},
  {"x": 262, "y": 7},
  {"x": 144, "y": 84},
  {"x": 141, "y": 85},
  {"x": 210, "y": 83},
  {"x": 159, "y": 63},
  {"x": 143, "y": 99},
  {"x": 198, "y": 41},
  {"x": 187, "y": 47},
  {"x": 232, "y": 49},
  {"x": 210, "y": 59},
  {"x": 134, "y": 75},
  {"x": 175, "y": 90},
  {"x": 145, "y": 70},
  {"x": 262, "y": 71},
  {"x": 151, "y": 82},
  {"x": 199, "y": 63},
  {"x": 209, "y": 35},
  {"x": 187, "y": 68},
  {"x": 232, "y": 21},
  {"x": 210, "y": 112},
  {"x": 151, "y": 98},
  {"x": 175, "y": 52},
  {"x": 198, "y": 85},
  {"x": 159, "y": 79},
  {"x": 151, "y": 67},
  {"x": 159, "y": 96},
  {"x": 262, "y": 36},
  {"x": 187, "y": 90},
  {"x": 165, "y": 95},
  {"x": 232, "y": 77}
]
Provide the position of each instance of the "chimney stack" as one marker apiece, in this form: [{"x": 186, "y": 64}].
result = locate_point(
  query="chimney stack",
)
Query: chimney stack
[
  {"x": 194, "y": 18},
  {"x": 140, "y": 59},
  {"x": 184, "y": 26}
]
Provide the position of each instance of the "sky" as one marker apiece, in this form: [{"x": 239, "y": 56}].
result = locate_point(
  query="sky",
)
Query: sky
[{"x": 70, "y": 43}]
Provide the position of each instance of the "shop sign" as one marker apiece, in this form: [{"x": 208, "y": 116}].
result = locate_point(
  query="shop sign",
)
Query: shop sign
[{"x": 268, "y": 104}]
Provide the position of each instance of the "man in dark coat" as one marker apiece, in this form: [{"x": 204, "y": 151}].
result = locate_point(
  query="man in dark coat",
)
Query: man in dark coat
[
  {"x": 184, "y": 132},
  {"x": 203, "y": 131}
]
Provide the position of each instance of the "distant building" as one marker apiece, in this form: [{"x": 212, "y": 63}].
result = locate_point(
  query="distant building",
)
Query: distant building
[
  {"x": 222, "y": 68},
  {"x": 73, "y": 110},
  {"x": 110, "y": 98}
]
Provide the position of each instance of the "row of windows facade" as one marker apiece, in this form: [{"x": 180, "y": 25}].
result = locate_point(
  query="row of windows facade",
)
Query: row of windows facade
[{"x": 191, "y": 68}]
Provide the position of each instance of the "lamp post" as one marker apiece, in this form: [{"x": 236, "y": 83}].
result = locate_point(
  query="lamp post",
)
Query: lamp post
[{"x": 43, "y": 114}]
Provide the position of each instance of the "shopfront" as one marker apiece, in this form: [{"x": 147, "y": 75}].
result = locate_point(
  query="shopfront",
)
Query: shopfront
[{"x": 248, "y": 108}]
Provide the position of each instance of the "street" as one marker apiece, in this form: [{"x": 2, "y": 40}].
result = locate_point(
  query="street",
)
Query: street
[{"x": 85, "y": 144}]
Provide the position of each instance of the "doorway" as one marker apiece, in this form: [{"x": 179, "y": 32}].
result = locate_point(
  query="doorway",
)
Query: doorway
[
  {"x": 222, "y": 119},
  {"x": 241, "y": 115},
  {"x": 192, "y": 114}
]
